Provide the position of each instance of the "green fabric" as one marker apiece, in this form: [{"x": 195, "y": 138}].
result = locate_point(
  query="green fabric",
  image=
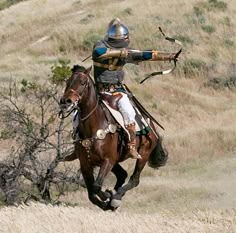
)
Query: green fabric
[{"x": 144, "y": 131}]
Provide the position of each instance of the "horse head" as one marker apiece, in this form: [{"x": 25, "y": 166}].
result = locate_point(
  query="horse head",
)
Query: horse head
[{"x": 76, "y": 89}]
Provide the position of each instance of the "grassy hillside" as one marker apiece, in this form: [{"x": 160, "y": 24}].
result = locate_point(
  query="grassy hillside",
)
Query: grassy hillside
[
  {"x": 196, "y": 103},
  {"x": 197, "y": 118}
]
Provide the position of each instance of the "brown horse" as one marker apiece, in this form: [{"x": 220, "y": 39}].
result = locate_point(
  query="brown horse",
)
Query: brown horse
[{"x": 99, "y": 145}]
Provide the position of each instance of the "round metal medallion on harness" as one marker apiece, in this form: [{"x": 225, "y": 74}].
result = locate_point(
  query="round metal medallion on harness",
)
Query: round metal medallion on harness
[
  {"x": 86, "y": 143},
  {"x": 101, "y": 134},
  {"x": 112, "y": 128}
]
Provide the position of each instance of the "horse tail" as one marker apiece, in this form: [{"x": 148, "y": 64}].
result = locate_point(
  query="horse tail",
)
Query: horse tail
[{"x": 158, "y": 156}]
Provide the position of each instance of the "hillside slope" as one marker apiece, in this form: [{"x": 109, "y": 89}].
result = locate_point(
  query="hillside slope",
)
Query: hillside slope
[{"x": 195, "y": 191}]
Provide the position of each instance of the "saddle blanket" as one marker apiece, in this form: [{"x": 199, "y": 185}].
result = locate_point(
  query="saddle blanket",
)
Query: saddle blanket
[{"x": 141, "y": 126}]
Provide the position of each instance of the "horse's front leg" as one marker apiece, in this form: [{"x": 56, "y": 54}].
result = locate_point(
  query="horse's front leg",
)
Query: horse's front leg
[
  {"x": 103, "y": 171},
  {"x": 87, "y": 172}
]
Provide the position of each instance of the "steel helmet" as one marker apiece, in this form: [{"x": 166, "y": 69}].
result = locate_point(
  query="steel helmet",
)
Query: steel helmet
[{"x": 117, "y": 30}]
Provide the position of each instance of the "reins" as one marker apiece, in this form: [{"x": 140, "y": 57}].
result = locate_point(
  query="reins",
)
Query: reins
[{"x": 93, "y": 110}]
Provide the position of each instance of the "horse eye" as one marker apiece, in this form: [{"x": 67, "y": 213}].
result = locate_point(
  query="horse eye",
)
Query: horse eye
[{"x": 83, "y": 83}]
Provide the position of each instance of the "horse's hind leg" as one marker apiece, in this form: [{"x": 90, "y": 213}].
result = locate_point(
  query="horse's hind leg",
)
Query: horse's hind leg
[
  {"x": 133, "y": 182},
  {"x": 120, "y": 174}
]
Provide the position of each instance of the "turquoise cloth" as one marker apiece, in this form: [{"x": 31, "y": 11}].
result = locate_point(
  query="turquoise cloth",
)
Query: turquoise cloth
[{"x": 144, "y": 131}]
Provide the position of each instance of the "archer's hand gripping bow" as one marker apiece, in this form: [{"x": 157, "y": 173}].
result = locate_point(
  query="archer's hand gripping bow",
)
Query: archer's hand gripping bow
[{"x": 172, "y": 40}]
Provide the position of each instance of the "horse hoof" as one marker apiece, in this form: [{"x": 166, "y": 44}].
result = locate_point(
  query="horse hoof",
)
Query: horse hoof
[
  {"x": 115, "y": 204},
  {"x": 109, "y": 193}
]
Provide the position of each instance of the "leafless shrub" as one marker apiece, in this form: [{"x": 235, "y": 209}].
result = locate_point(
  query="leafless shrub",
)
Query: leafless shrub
[{"x": 30, "y": 115}]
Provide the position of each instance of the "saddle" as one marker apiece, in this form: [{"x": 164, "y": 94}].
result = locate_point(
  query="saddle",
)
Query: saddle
[
  {"x": 111, "y": 102},
  {"x": 111, "y": 99}
]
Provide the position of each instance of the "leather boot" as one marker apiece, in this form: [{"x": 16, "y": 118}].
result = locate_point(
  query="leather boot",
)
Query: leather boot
[{"x": 132, "y": 143}]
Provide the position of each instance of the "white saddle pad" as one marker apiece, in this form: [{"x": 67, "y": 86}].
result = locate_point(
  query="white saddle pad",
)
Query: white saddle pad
[{"x": 140, "y": 121}]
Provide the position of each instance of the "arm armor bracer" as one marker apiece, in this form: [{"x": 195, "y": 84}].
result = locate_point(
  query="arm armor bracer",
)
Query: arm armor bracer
[
  {"x": 162, "y": 56},
  {"x": 114, "y": 53},
  {"x": 152, "y": 55}
]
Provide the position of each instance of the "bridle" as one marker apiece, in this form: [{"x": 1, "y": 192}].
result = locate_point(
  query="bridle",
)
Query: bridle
[
  {"x": 75, "y": 105},
  {"x": 80, "y": 95}
]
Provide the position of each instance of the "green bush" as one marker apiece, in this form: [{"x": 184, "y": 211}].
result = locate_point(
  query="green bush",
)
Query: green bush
[
  {"x": 154, "y": 106},
  {"x": 6, "y": 134},
  {"x": 128, "y": 11},
  {"x": 199, "y": 14},
  {"x": 28, "y": 85},
  {"x": 215, "y": 4},
  {"x": 228, "y": 43},
  {"x": 200, "y": 8},
  {"x": 192, "y": 67},
  {"x": 87, "y": 19},
  {"x": 8, "y": 3},
  {"x": 60, "y": 72},
  {"x": 208, "y": 28},
  {"x": 184, "y": 39},
  {"x": 219, "y": 83},
  {"x": 231, "y": 82},
  {"x": 90, "y": 40},
  {"x": 227, "y": 21},
  {"x": 198, "y": 11}
]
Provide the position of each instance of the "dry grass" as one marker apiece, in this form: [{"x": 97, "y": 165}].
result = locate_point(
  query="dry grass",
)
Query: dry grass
[
  {"x": 195, "y": 192},
  {"x": 38, "y": 218},
  {"x": 187, "y": 198}
]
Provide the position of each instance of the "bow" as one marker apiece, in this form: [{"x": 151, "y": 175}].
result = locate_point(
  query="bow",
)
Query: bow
[{"x": 172, "y": 40}]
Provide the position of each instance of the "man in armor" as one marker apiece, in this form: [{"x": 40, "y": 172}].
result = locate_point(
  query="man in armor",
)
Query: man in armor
[{"x": 109, "y": 57}]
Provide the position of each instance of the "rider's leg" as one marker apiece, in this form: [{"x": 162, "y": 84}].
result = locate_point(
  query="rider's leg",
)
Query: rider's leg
[
  {"x": 128, "y": 114},
  {"x": 132, "y": 143}
]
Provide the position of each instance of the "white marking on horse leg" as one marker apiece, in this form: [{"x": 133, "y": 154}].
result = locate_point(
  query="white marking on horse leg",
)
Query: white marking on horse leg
[{"x": 115, "y": 203}]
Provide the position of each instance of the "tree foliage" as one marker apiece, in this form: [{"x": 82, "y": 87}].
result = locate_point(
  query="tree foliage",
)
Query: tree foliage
[{"x": 60, "y": 72}]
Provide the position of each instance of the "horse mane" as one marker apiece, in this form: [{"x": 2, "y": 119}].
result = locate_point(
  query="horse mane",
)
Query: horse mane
[{"x": 78, "y": 68}]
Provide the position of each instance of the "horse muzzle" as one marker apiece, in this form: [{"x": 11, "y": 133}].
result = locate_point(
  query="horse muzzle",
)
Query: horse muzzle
[{"x": 66, "y": 106}]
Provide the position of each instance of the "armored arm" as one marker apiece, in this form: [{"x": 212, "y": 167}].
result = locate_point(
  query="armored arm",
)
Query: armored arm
[
  {"x": 106, "y": 53},
  {"x": 150, "y": 55},
  {"x": 110, "y": 53},
  {"x": 132, "y": 56}
]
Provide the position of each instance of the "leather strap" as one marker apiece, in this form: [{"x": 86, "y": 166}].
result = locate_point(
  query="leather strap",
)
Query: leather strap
[{"x": 107, "y": 66}]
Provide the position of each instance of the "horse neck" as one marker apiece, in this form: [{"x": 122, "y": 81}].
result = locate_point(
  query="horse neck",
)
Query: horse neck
[
  {"x": 90, "y": 125},
  {"x": 89, "y": 103}
]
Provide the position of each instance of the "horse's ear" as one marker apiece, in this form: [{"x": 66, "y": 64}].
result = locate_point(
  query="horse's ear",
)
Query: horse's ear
[{"x": 88, "y": 70}]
